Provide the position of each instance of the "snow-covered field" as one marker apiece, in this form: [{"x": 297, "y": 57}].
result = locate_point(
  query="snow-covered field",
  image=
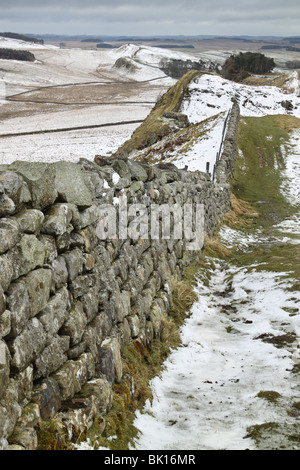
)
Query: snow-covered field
[
  {"x": 71, "y": 68},
  {"x": 209, "y": 96}
]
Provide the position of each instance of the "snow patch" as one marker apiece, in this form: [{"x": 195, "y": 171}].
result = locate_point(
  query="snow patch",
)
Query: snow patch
[{"x": 7, "y": 43}]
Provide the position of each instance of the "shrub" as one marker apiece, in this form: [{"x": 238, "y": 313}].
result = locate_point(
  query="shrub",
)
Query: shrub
[
  {"x": 11, "y": 54},
  {"x": 238, "y": 67}
]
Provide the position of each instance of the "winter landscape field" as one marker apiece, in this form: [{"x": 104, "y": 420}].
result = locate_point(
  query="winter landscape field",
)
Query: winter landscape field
[{"x": 233, "y": 383}]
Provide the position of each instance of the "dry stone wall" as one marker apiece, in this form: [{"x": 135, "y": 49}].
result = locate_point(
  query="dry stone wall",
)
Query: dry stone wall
[{"x": 70, "y": 301}]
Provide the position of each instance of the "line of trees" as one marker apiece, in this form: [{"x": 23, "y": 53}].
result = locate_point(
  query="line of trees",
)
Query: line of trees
[{"x": 11, "y": 54}]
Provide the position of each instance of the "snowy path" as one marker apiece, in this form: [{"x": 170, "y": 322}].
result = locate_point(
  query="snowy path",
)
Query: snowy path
[
  {"x": 207, "y": 395},
  {"x": 214, "y": 387}
]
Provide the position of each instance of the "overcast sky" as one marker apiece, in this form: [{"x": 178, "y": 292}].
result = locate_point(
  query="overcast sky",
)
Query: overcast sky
[{"x": 152, "y": 17}]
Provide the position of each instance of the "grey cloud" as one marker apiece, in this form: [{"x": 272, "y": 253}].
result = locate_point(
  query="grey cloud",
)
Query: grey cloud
[{"x": 156, "y": 17}]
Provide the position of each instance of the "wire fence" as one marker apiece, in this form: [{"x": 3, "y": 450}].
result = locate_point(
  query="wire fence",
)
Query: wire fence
[{"x": 219, "y": 153}]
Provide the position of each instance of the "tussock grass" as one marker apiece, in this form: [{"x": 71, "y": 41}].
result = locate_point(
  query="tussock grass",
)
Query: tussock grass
[
  {"x": 214, "y": 248},
  {"x": 287, "y": 122},
  {"x": 241, "y": 215},
  {"x": 271, "y": 79}
]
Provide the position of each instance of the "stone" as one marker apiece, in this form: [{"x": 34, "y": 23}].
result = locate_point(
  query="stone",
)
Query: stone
[
  {"x": 10, "y": 410},
  {"x": 77, "y": 350},
  {"x": 75, "y": 262},
  {"x": 122, "y": 304},
  {"x": 90, "y": 303},
  {"x": 288, "y": 105},
  {"x": 63, "y": 242},
  {"x": 5, "y": 323},
  {"x": 40, "y": 179},
  {"x": 7, "y": 261},
  {"x": 74, "y": 374},
  {"x": 102, "y": 391},
  {"x": 122, "y": 332},
  {"x": 47, "y": 395},
  {"x": 92, "y": 339},
  {"x": 24, "y": 437},
  {"x": 55, "y": 313},
  {"x": 30, "y": 220},
  {"x": 2, "y": 301},
  {"x": 9, "y": 234},
  {"x": 52, "y": 357},
  {"x": 110, "y": 362},
  {"x": 134, "y": 324},
  {"x": 24, "y": 385},
  {"x": 156, "y": 317},
  {"x": 31, "y": 416},
  {"x": 105, "y": 366},
  {"x": 60, "y": 273},
  {"x": 38, "y": 284},
  {"x": 87, "y": 217},
  {"x": 89, "y": 262},
  {"x": 29, "y": 254},
  {"x": 80, "y": 416},
  {"x": 4, "y": 444},
  {"x": 28, "y": 345},
  {"x": 137, "y": 171},
  {"x": 71, "y": 184},
  {"x": 75, "y": 324},
  {"x": 50, "y": 247},
  {"x": 121, "y": 168},
  {"x": 15, "y": 192},
  {"x": 19, "y": 305},
  {"x": 4, "y": 368},
  {"x": 7, "y": 206},
  {"x": 57, "y": 220},
  {"x": 135, "y": 187},
  {"x": 81, "y": 285}
]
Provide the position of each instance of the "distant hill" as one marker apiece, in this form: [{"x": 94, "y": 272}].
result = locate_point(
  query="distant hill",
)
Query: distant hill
[
  {"x": 104, "y": 45},
  {"x": 22, "y": 37},
  {"x": 178, "y": 38},
  {"x": 91, "y": 40}
]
